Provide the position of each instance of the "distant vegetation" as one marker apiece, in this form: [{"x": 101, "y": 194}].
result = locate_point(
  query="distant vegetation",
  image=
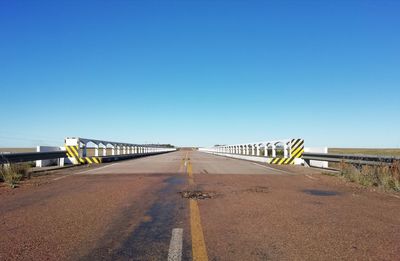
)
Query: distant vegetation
[
  {"x": 17, "y": 150},
  {"x": 379, "y": 152},
  {"x": 384, "y": 176},
  {"x": 12, "y": 174},
  {"x": 164, "y": 145}
]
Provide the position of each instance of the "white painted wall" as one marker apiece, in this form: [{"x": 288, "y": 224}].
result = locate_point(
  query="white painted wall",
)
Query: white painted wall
[
  {"x": 45, "y": 163},
  {"x": 317, "y": 163}
]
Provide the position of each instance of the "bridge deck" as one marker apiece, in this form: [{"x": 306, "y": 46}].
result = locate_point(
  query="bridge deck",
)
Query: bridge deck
[{"x": 128, "y": 210}]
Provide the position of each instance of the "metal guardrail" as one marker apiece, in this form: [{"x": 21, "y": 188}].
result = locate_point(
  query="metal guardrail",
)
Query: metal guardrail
[
  {"x": 31, "y": 156},
  {"x": 350, "y": 158}
]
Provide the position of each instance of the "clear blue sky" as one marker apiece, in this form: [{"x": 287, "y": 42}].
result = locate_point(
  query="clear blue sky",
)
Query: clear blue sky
[{"x": 200, "y": 72}]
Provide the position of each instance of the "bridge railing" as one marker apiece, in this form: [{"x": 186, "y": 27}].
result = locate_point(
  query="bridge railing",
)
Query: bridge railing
[
  {"x": 350, "y": 158},
  {"x": 76, "y": 151},
  {"x": 77, "y": 147},
  {"x": 285, "y": 151}
]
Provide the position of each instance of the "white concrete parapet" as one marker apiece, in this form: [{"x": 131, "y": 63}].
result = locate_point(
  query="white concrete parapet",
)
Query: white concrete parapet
[
  {"x": 290, "y": 151},
  {"x": 77, "y": 149},
  {"x": 51, "y": 162},
  {"x": 317, "y": 163}
]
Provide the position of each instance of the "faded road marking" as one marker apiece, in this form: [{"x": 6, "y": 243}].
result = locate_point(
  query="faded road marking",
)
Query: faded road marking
[
  {"x": 184, "y": 159},
  {"x": 82, "y": 172},
  {"x": 61, "y": 177},
  {"x": 308, "y": 176},
  {"x": 199, "y": 250},
  {"x": 190, "y": 173},
  {"x": 175, "y": 246},
  {"x": 278, "y": 170}
]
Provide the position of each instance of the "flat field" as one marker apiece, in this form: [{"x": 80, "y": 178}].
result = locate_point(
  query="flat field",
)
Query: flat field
[
  {"x": 17, "y": 150},
  {"x": 368, "y": 151}
]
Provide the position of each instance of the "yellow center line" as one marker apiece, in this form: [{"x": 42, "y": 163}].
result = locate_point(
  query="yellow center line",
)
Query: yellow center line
[
  {"x": 190, "y": 173},
  {"x": 183, "y": 162},
  {"x": 199, "y": 250}
]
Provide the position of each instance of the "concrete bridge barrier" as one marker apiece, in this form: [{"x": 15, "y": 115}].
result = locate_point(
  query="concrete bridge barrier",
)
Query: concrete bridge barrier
[
  {"x": 77, "y": 150},
  {"x": 286, "y": 151}
]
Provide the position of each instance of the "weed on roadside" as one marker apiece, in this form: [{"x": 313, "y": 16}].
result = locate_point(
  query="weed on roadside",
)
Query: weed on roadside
[
  {"x": 383, "y": 176},
  {"x": 12, "y": 174}
]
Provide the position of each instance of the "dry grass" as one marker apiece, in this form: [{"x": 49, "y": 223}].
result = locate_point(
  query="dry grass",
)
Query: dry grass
[
  {"x": 372, "y": 151},
  {"x": 383, "y": 176},
  {"x": 17, "y": 150},
  {"x": 12, "y": 174}
]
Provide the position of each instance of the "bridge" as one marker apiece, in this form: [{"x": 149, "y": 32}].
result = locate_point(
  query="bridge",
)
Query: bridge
[{"x": 251, "y": 201}]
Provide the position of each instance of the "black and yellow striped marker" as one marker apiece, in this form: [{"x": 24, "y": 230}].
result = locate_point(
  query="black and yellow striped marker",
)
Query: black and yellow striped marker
[
  {"x": 72, "y": 152},
  {"x": 296, "y": 152}
]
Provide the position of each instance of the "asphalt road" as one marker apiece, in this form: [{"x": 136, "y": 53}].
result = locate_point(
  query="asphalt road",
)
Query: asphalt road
[{"x": 142, "y": 209}]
